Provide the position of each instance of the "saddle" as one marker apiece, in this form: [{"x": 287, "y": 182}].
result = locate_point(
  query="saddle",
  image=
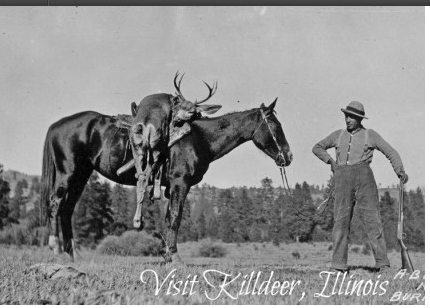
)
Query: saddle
[{"x": 176, "y": 133}]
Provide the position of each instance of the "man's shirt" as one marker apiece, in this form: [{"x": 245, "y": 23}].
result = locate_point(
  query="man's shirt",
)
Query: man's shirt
[{"x": 351, "y": 149}]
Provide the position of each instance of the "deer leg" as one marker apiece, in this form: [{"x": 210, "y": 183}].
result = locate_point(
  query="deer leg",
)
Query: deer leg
[{"x": 142, "y": 183}]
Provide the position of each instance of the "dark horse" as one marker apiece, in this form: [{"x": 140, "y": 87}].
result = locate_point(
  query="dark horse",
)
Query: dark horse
[{"x": 87, "y": 141}]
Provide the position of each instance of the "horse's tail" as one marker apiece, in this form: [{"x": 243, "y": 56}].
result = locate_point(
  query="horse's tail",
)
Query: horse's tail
[{"x": 47, "y": 181}]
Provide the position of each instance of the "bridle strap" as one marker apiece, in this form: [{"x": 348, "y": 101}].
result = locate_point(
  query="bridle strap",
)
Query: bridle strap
[
  {"x": 259, "y": 125},
  {"x": 271, "y": 133}
]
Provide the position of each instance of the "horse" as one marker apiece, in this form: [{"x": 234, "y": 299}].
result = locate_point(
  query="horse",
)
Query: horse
[{"x": 77, "y": 145}]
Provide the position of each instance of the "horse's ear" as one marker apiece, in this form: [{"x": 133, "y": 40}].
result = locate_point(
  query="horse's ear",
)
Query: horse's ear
[
  {"x": 271, "y": 107},
  {"x": 133, "y": 109}
]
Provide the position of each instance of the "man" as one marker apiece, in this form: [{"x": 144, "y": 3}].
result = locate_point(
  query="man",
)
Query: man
[{"x": 355, "y": 187}]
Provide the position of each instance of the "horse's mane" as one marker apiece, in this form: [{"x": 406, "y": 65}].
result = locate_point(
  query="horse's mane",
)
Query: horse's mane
[{"x": 226, "y": 114}]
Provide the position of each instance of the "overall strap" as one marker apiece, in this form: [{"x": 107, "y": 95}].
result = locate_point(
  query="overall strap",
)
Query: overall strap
[
  {"x": 340, "y": 137},
  {"x": 366, "y": 141},
  {"x": 338, "y": 143}
]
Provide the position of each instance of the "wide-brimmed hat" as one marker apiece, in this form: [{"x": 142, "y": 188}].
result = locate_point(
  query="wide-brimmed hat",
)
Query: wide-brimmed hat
[{"x": 355, "y": 108}]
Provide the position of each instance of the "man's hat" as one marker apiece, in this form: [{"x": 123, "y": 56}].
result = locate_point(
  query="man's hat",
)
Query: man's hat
[{"x": 355, "y": 108}]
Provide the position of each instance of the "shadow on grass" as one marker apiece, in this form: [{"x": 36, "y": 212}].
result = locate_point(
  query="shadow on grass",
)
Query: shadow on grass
[
  {"x": 155, "y": 263},
  {"x": 369, "y": 269}
]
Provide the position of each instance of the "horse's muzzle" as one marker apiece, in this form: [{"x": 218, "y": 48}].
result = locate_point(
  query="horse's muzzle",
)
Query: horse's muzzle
[{"x": 283, "y": 160}]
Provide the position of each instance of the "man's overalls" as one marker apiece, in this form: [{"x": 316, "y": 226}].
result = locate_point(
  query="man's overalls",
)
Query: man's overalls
[{"x": 356, "y": 194}]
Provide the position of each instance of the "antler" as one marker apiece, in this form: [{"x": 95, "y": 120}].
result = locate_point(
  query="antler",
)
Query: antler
[
  {"x": 211, "y": 92},
  {"x": 178, "y": 86}
]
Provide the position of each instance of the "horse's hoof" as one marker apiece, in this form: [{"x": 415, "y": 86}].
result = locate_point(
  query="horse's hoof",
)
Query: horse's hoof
[
  {"x": 138, "y": 224},
  {"x": 176, "y": 261},
  {"x": 53, "y": 241},
  {"x": 69, "y": 257},
  {"x": 167, "y": 258},
  {"x": 54, "y": 244}
]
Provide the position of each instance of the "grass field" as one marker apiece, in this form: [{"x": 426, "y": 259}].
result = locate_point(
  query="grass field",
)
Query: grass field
[{"x": 294, "y": 270}]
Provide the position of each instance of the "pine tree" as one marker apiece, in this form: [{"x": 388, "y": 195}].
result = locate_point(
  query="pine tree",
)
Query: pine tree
[
  {"x": 301, "y": 228},
  {"x": 326, "y": 218},
  {"x": 201, "y": 226},
  {"x": 255, "y": 233},
  {"x": 93, "y": 214},
  {"x": 185, "y": 228},
  {"x": 243, "y": 207},
  {"x": 389, "y": 220},
  {"x": 4, "y": 200},
  {"x": 35, "y": 185},
  {"x": 120, "y": 209},
  {"x": 194, "y": 232},
  {"x": 33, "y": 216},
  {"x": 227, "y": 218},
  {"x": 18, "y": 203},
  {"x": 212, "y": 229},
  {"x": 151, "y": 214},
  {"x": 278, "y": 231},
  {"x": 414, "y": 219},
  {"x": 262, "y": 206}
]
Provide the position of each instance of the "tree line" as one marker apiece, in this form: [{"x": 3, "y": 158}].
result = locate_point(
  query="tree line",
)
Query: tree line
[{"x": 233, "y": 215}]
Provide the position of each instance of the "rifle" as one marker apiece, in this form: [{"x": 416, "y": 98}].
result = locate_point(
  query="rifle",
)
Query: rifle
[{"x": 406, "y": 260}]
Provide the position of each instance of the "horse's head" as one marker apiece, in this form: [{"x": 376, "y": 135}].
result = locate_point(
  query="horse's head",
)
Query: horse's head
[
  {"x": 184, "y": 110},
  {"x": 269, "y": 136}
]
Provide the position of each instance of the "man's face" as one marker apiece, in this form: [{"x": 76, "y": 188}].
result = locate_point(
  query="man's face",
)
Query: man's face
[{"x": 352, "y": 121}]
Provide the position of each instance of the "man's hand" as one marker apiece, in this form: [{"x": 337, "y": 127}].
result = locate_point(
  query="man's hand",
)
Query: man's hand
[
  {"x": 404, "y": 177},
  {"x": 333, "y": 164}
]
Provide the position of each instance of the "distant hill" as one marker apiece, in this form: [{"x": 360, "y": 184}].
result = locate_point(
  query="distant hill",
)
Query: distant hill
[{"x": 13, "y": 177}]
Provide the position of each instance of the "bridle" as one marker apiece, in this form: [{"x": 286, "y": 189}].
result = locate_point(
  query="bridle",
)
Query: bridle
[
  {"x": 272, "y": 134},
  {"x": 282, "y": 168}
]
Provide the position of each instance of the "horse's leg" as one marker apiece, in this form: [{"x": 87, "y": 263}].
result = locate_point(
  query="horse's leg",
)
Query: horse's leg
[
  {"x": 54, "y": 233},
  {"x": 76, "y": 187},
  {"x": 157, "y": 174},
  {"x": 55, "y": 204},
  {"x": 179, "y": 191}
]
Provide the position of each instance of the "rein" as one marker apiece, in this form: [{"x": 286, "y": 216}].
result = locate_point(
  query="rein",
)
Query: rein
[{"x": 282, "y": 169}]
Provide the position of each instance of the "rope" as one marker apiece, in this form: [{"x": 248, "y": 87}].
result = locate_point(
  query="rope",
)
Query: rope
[{"x": 289, "y": 194}]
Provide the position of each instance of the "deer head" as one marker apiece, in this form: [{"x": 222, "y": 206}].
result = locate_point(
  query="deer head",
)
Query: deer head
[{"x": 184, "y": 110}]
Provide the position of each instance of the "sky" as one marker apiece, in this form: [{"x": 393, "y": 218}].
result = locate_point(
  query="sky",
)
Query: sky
[{"x": 57, "y": 61}]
